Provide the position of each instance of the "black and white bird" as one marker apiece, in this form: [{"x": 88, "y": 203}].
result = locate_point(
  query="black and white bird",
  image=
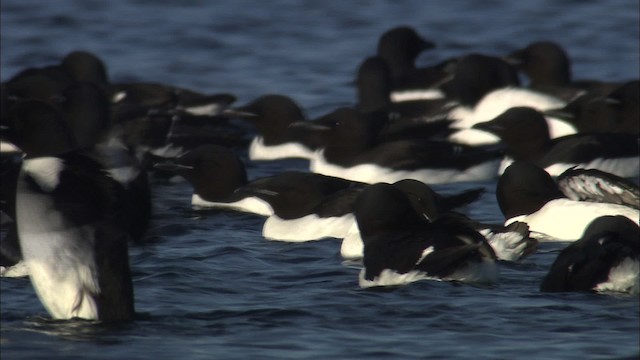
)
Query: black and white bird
[
  {"x": 351, "y": 150},
  {"x": 298, "y": 206},
  {"x": 71, "y": 218},
  {"x": 399, "y": 47},
  {"x": 605, "y": 259},
  {"x": 272, "y": 116},
  {"x": 527, "y": 193},
  {"x": 333, "y": 215},
  {"x": 510, "y": 243},
  {"x": 548, "y": 68},
  {"x": 617, "y": 111},
  {"x": 401, "y": 246},
  {"x": 219, "y": 180},
  {"x": 525, "y": 134},
  {"x": 484, "y": 87}
]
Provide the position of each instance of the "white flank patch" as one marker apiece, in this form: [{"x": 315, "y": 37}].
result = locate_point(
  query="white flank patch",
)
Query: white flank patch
[
  {"x": 422, "y": 94},
  {"x": 259, "y": 151},
  {"x": 559, "y": 128},
  {"x": 623, "y": 278},
  {"x": 7, "y": 147},
  {"x": 370, "y": 173},
  {"x": 498, "y": 101},
  {"x": 45, "y": 171},
  {"x": 474, "y": 137},
  {"x": 566, "y": 220},
  {"x": 463, "y": 117},
  {"x": 209, "y": 109},
  {"x": 252, "y": 205},
  {"x": 623, "y": 167},
  {"x": 352, "y": 247},
  {"x": 307, "y": 228}
]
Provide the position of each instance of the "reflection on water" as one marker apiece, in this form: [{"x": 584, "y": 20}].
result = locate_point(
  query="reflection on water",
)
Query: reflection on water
[{"x": 75, "y": 329}]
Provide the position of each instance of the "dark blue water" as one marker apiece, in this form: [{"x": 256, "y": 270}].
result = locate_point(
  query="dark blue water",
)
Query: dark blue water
[{"x": 209, "y": 286}]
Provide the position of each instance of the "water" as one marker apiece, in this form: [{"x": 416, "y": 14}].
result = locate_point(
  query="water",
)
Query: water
[{"x": 209, "y": 286}]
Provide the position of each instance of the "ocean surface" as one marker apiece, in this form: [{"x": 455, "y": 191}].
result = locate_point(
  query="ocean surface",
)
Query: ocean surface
[{"x": 209, "y": 286}]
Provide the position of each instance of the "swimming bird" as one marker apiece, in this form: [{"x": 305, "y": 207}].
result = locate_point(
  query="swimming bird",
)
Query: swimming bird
[
  {"x": 374, "y": 92},
  {"x": 272, "y": 115},
  {"x": 332, "y": 216},
  {"x": 476, "y": 75},
  {"x": 548, "y": 67},
  {"x": 479, "y": 88},
  {"x": 615, "y": 112},
  {"x": 510, "y": 243},
  {"x": 399, "y": 47},
  {"x": 160, "y": 136},
  {"x": 70, "y": 221},
  {"x": 351, "y": 150},
  {"x": 527, "y": 193},
  {"x": 400, "y": 246},
  {"x": 470, "y": 99},
  {"x": 605, "y": 259},
  {"x": 137, "y": 111},
  {"x": 43, "y": 82},
  {"x": 299, "y": 206},
  {"x": 411, "y": 117},
  {"x": 219, "y": 179},
  {"x": 525, "y": 133},
  {"x": 47, "y": 82},
  {"x": 484, "y": 87},
  {"x": 151, "y": 95}
]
